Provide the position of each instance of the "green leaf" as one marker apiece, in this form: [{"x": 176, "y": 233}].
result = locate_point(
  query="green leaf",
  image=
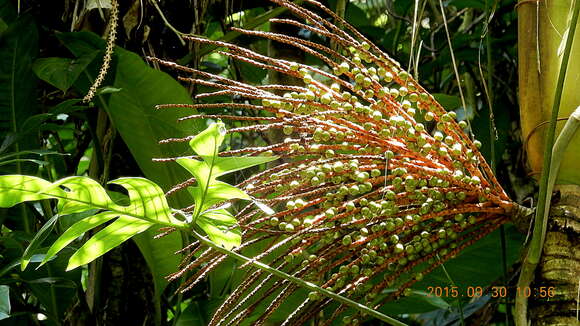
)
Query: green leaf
[
  {"x": 4, "y": 302},
  {"x": 221, "y": 227},
  {"x": 449, "y": 102},
  {"x": 206, "y": 144},
  {"x": 24, "y": 160},
  {"x": 199, "y": 169},
  {"x": 75, "y": 231},
  {"x": 15, "y": 189},
  {"x": 62, "y": 72},
  {"x": 224, "y": 165},
  {"x": 217, "y": 192},
  {"x": 38, "y": 239},
  {"x": 209, "y": 192},
  {"x": 147, "y": 207},
  {"x": 108, "y": 238},
  {"x": 19, "y": 47},
  {"x": 88, "y": 192}
]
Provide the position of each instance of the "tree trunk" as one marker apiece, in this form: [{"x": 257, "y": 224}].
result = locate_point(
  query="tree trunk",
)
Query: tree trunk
[{"x": 560, "y": 265}]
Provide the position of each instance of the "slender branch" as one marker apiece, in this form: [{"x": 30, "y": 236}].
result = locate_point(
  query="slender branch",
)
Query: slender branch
[{"x": 167, "y": 23}]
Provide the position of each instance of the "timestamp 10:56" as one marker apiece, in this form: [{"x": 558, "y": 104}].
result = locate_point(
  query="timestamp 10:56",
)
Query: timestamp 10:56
[{"x": 494, "y": 291}]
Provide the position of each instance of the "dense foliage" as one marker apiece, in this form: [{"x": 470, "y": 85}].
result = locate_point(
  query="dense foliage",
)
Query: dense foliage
[{"x": 48, "y": 131}]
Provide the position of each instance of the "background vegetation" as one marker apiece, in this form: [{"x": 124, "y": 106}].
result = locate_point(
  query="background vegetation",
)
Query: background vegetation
[{"x": 51, "y": 51}]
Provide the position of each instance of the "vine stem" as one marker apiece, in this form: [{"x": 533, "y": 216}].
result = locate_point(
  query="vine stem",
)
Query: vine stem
[
  {"x": 550, "y": 167},
  {"x": 304, "y": 284}
]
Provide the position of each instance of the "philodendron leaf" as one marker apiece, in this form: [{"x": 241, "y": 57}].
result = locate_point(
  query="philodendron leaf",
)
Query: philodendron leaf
[
  {"x": 221, "y": 227},
  {"x": 219, "y": 224},
  {"x": 147, "y": 207},
  {"x": 206, "y": 144}
]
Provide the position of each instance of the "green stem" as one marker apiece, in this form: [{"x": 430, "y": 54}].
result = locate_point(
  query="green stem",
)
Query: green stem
[
  {"x": 199, "y": 205},
  {"x": 459, "y": 306},
  {"x": 548, "y": 173},
  {"x": 304, "y": 284}
]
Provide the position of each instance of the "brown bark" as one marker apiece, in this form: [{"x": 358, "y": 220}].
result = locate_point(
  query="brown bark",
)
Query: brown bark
[{"x": 560, "y": 264}]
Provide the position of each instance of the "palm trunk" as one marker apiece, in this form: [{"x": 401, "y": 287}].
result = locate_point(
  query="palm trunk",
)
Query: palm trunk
[
  {"x": 554, "y": 295},
  {"x": 541, "y": 29}
]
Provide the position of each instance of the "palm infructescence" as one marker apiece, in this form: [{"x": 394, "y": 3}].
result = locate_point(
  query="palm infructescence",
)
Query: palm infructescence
[{"x": 366, "y": 198}]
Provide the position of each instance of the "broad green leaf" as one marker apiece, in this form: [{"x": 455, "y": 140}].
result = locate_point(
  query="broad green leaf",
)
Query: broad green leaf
[
  {"x": 206, "y": 144},
  {"x": 449, "y": 102},
  {"x": 433, "y": 300},
  {"x": 4, "y": 301},
  {"x": 62, "y": 72},
  {"x": 75, "y": 231},
  {"x": 19, "y": 47},
  {"x": 108, "y": 238},
  {"x": 224, "y": 165},
  {"x": 221, "y": 227},
  {"x": 147, "y": 207}
]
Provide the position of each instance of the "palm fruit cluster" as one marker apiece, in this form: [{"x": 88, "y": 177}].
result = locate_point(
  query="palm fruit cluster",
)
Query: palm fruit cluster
[{"x": 367, "y": 197}]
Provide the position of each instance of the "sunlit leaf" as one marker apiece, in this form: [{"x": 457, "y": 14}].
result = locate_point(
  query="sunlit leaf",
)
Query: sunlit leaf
[
  {"x": 207, "y": 142},
  {"x": 108, "y": 238},
  {"x": 147, "y": 207},
  {"x": 76, "y": 230},
  {"x": 221, "y": 227},
  {"x": 39, "y": 237}
]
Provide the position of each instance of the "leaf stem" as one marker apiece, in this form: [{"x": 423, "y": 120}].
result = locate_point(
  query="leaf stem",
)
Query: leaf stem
[
  {"x": 549, "y": 173},
  {"x": 299, "y": 282},
  {"x": 199, "y": 205}
]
